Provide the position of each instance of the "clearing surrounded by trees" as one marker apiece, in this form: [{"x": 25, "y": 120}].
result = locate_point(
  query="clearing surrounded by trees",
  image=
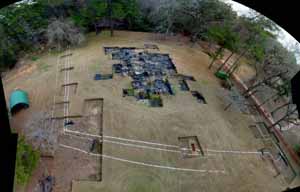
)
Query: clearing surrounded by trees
[
  {"x": 102, "y": 141},
  {"x": 149, "y": 95}
]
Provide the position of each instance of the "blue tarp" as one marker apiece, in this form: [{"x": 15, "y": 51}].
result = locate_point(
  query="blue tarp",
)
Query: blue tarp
[{"x": 103, "y": 77}]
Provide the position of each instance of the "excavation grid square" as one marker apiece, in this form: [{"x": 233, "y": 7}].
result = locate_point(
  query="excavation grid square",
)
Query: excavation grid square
[{"x": 190, "y": 146}]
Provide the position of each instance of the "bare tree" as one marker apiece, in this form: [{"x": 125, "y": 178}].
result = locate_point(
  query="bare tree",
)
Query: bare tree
[{"x": 61, "y": 33}]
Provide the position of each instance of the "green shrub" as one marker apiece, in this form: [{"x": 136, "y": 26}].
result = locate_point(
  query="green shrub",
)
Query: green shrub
[
  {"x": 297, "y": 149},
  {"x": 155, "y": 97},
  {"x": 26, "y": 161},
  {"x": 130, "y": 92},
  {"x": 34, "y": 58},
  {"x": 44, "y": 67}
]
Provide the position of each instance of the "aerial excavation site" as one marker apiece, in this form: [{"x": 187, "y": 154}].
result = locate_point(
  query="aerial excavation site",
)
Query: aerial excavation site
[{"x": 151, "y": 111}]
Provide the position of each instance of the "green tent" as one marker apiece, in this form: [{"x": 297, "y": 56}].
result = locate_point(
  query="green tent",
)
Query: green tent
[
  {"x": 18, "y": 99},
  {"x": 222, "y": 75}
]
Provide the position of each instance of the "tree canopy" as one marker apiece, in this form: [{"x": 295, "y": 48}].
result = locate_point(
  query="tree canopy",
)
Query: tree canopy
[{"x": 25, "y": 26}]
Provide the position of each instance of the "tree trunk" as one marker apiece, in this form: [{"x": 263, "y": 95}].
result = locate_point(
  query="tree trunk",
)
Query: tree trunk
[
  {"x": 280, "y": 107},
  {"x": 282, "y": 119},
  {"x": 267, "y": 100},
  {"x": 225, "y": 62},
  {"x": 218, "y": 53},
  {"x": 233, "y": 70},
  {"x": 211, "y": 64},
  {"x": 261, "y": 83},
  {"x": 236, "y": 61},
  {"x": 252, "y": 88},
  {"x": 109, "y": 10},
  {"x": 111, "y": 31},
  {"x": 209, "y": 45}
]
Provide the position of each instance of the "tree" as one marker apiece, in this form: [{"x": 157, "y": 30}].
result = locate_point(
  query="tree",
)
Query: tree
[
  {"x": 191, "y": 16},
  {"x": 225, "y": 38},
  {"x": 21, "y": 27},
  {"x": 164, "y": 16},
  {"x": 90, "y": 12},
  {"x": 61, "y": 33},
  {"x": 278, "y": 58},
  {"x": 109, "y": 15},
  {"x": 254, "y": 32},
  {"x": 23, "y": 22},
  {"x": 7, "y": 47},
  {"x": 198, "y": 16}
]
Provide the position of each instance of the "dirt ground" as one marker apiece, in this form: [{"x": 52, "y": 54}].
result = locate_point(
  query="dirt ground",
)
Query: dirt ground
[{"x": 123, "y": 118}]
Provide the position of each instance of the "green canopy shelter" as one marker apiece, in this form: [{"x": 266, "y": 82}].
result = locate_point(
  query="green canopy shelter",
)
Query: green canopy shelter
[{"x": 18, "y": 100}]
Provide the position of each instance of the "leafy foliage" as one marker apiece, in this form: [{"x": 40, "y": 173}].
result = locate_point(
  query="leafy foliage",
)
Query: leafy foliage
[
  {"x": 297, "y": 149},
  {"x": 194, "y": 17},
  {"x": 26, "y": 26},
  {"x": 94, "y": 10},
  {"x": 225, "y": 37}
]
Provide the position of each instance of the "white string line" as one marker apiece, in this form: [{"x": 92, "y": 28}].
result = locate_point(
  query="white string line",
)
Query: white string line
[
  {"x": 121, "y": 139},
  {"x": 154, "y": 148},
  {"x": 141, "y": 146},
  {"x": 174, "y": 151},
  {"x": 236, "y": 152},
  {"x": 72, "y": 135},
  {"x": 144, "y": 164},
  {"x": 159, "y": 144},
  {"x": 65, "y": 88},
  {"x": 55, "y": 89},
  {"x": 68, "y": 81},
  {"x": 133, "y": 145}
]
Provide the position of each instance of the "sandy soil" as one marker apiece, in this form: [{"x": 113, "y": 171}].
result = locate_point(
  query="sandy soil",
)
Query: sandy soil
[{"x": 181, "y": 116}]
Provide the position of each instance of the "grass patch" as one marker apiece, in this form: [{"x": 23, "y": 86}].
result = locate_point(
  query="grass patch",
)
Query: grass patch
[
  {"x": 175, "y": 89},
  {"x": 154, "y": 96},
  {"x": 34, "y": 58},
  {"x": 142, "y": 183},
  {"x": 26, "y": 161},
  {"x": 205, "y": 82},
  {"x": 105, "y": 33},
  {"x": 155, "y": 100},
  {"x": 44, "y": 66},
  {"x": 130, "y": 92},
  {"x": 55, "y": 51},
  {"x": 94, "y": 67},
  {"x": 297, "y": 149}
]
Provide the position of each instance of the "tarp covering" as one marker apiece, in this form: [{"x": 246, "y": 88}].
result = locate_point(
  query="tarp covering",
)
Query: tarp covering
[{"x": 18, "y": 98}]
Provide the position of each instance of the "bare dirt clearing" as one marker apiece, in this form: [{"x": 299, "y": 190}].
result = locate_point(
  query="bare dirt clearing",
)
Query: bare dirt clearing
[{"x": 139, "y": 165}]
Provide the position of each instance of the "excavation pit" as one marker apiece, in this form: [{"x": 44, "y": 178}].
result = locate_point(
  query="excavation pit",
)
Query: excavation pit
[
  {"x": 151, "y": 46},
  {"x": 70, "y": 88},
  {"x": 66, "y": 69},
  {"x": 200, "y": 98},
  {"x": 190, "y": 147}
]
